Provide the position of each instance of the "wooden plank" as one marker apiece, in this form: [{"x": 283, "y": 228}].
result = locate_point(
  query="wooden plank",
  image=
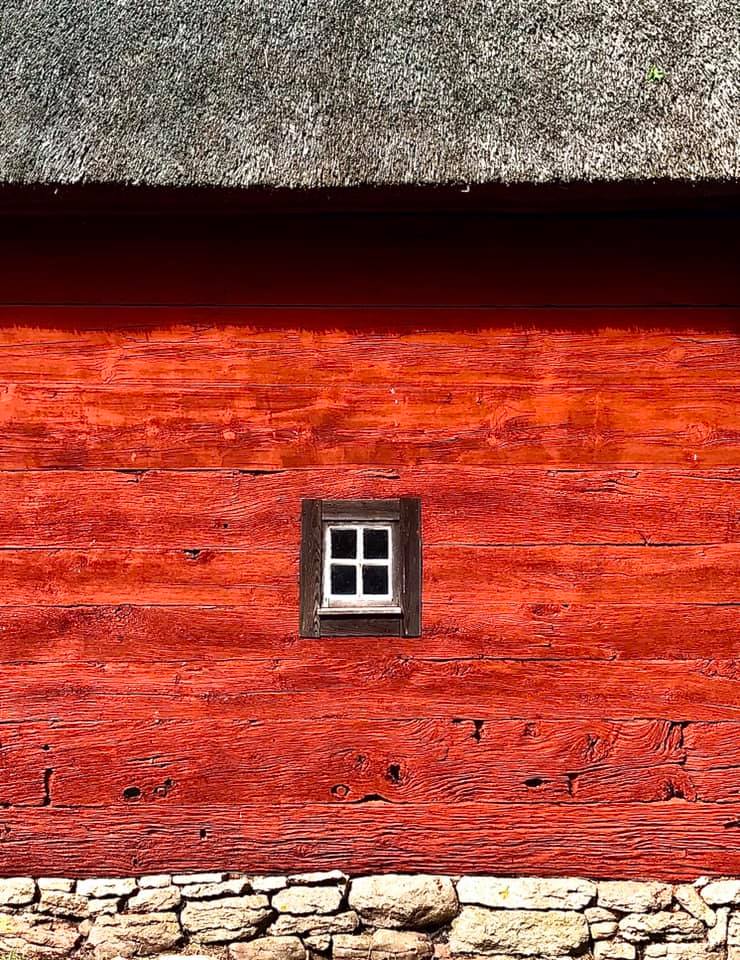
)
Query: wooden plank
[
  {"x": 357, "y": 686},
  {"x": 461, "y": 259},
  {"x": 200, "y": 346},
  {"x": 346, "y": 761},
  {"x": 264, "y": 630},
  {"x": 411, "y": 565},
  {"x": 262, "y": 427},
  {"x": 483, "y": 575},
  {"x": 714, "y": 760},
  {"x": 672, "y": 841},
  {"x": 361, "y": 509},
  {"x": 310, "y": 567},
  {"x": 474, "y": 505},
  {"x": 360, "y": 625},
  {"x": 25, "y": 765}
]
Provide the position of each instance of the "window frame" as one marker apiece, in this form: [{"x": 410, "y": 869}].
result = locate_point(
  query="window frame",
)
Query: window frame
[
  {"x": 402, "y": 616},
  {"x": 332, "y": 604}
]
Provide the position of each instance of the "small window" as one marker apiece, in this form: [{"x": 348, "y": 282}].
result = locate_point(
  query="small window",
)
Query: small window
[
  {"x": 358, "y": 567},
  {"x": 361, "y": 567}
]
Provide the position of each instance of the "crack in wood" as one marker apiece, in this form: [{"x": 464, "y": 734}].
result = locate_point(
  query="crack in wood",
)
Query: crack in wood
[{"x": 48, "y": 773}]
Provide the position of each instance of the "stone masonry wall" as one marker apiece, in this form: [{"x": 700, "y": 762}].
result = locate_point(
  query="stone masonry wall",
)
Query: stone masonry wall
[{"x": 391, "y": 917}]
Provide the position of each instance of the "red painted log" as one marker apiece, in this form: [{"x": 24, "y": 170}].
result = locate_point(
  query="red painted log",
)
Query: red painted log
[
  {"x": 355, "y": 686},
  {"x": 482, "y": 575},
  {"x": 179, "y": 509},
  {"x": 542, "y": 631},
  {"x": 346, "y": 761},
  {"x": 265, "y": 630},
  {"x": 673, "y": 841},
  {"x": 201, "y": 346},
  {"x": 118, "y": 426}
]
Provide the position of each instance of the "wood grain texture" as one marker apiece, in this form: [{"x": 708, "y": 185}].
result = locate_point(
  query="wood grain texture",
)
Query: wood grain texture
[
  {"x": 411, "y": 565},
  {"x": 351, "y": 685},
  {"x": 561, "y": 574},
  {"x": 263, "y": 427},
  {"x": 562, "y": 396},
  {"x": 265, "y": 630},
  {"x": 474, "y": 505},
  {"x": 269, "y": 346},
  {"x": 348, "y": 761},
  {"x": 310, "y": 567},
  {"x": 665, "y": 841}
]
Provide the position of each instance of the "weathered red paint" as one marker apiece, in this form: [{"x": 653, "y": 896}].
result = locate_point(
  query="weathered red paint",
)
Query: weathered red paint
[{"x": 563, "y": 397}]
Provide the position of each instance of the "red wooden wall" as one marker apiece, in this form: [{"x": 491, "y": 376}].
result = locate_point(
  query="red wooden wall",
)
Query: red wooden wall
[{"x": 563, "y": 395}]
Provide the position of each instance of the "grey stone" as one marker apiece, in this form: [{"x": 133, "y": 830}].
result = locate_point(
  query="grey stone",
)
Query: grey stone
[
  {"x": 17, "y": 891},
  {"x": 489, "y": 956},
  {"x": 527, "y": 893},
  {"x": 717, "y": 935},
  {"x": 109, "y": 887},
  {"x": 32, "y": 935},
  {"x": 210, "y": 891},
  {"x": 411, "y": 902},
  {"x": 720, "y": 893},
  {"x": 106, "y": 905},
  {"x": 679, "y": 951},
  {"x": 269, "y": 948},
  {"x": 614, "y": 950},
  {"x": 155, "y": 880},
  {"x": 189, "y": 878},
  {"x": 155, "y": 900},
  {"x": 322, "y": 876},
  {"x": 687, "y": 897},
  {"x": 521, "y": 932},
  {"x": 268, "y": 884},
  {"x": 599, "y": 915},
  {"x": 133, "y": 935},
  {"x": 62, "y": 884},
  {"x": 188, "y": 955},
  {"x": 219, "y": 921},
  {"x": 308, "y": 900},
  {"x": 383, "y": 945},
  {"x": 60, "y": 904},
  {"x": 320, "y": 943},
  {"x": 641, "y": 927},
  {"x": 630, "y": 896},
  {"x": 316, "y": 925}
]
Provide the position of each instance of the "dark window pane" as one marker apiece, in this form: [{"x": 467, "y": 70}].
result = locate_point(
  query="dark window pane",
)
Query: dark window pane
[
  {"x": 343, "y": 579},
  {"x": 374, "y": 580},
  {"x": 344, "y": 544},
  {"x": 376, "y": 544}
]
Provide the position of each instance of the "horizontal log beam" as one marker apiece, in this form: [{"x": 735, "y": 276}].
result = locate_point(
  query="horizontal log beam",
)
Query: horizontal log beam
[
  {"x": 357, "y": 686},
  {"x": 266, "y": 629},
  {"x": 176, "y": 762},
  {"x": 475, "y": 505},
  {"x": 266, "y": 427},
  {"x": 673, "y": 841}
]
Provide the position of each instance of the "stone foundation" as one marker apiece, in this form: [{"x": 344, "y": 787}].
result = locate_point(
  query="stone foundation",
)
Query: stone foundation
[{"x": 326, "y": 915}]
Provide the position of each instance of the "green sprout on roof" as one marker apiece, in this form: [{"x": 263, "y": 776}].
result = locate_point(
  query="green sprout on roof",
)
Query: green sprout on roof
[{"x": 655, "y": 74}]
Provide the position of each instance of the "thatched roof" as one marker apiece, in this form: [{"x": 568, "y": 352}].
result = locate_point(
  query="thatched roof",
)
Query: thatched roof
[{"x": 327, "y": 92}]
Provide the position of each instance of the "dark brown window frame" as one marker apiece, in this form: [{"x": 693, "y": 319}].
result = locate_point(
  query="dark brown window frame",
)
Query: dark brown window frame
[{"x": 406, "y": 512}]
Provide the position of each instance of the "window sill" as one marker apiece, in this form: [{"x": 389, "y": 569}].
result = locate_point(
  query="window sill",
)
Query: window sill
[{"x": 361, "y": 611}]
